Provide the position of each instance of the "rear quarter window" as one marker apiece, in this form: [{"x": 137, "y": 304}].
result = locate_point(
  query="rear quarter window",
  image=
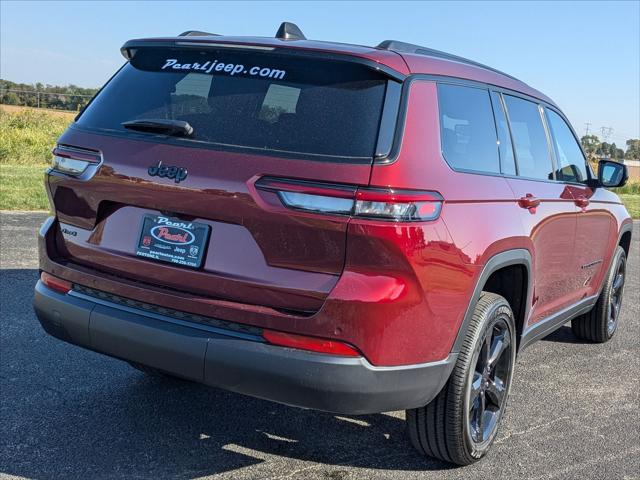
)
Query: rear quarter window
[{"x": 468, "y": 129}]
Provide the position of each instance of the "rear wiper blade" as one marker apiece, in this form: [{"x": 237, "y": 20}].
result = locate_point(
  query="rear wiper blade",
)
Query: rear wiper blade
[{"x": 177, "y": 128}]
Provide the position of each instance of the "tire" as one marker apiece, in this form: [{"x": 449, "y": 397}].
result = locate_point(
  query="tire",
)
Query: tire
[
  {"x": 601, "y": 322},
  {"x": 447, "y": 428}
]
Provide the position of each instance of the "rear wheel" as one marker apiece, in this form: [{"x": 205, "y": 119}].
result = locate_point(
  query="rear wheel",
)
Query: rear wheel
[
  {"x": 461, "y": 423},
  {"x": 601, "y": 322}
]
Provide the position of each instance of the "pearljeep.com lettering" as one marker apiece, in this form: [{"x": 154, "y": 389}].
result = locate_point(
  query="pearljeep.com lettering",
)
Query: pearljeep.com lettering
[{"x": 228, "y": 68}]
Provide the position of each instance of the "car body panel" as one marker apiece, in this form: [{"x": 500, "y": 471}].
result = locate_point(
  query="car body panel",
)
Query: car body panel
[{"x": 400, "y": 293}]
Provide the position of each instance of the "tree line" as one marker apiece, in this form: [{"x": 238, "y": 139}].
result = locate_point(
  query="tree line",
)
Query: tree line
[
  {"x": 595, "y": 149},
  {"x": 70, "y": 97}
]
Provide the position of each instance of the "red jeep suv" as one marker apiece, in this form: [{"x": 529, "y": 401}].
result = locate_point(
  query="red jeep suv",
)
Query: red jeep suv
[{"x": 337, "y": 227}]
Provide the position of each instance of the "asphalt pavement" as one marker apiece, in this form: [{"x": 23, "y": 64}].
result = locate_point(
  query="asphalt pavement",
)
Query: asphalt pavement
[{"x": 574, "y": 410}]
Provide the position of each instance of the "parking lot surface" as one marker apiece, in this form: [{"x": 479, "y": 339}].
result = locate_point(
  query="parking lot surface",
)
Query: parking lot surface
[{"x": 574, "y": 410}]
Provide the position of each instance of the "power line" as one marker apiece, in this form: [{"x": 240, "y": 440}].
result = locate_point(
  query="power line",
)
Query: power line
[
  {"x": 606, "y": 133},
  {"x": 586, "y": 130}
]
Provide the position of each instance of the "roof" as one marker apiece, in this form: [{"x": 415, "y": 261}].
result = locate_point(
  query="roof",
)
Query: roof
[{"x": 403, "y": 58}]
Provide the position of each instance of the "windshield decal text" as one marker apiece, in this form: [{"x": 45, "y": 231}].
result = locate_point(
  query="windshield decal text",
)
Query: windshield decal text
[{"x": 225, "y": 68}]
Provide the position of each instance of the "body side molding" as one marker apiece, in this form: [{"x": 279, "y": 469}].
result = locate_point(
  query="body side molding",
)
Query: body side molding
[{"x": 553, "y": 322}]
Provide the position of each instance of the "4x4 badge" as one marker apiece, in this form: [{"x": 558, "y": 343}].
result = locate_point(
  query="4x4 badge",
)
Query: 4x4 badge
[{"x": 159, "y": 170}]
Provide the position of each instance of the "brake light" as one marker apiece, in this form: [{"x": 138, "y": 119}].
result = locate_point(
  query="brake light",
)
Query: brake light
[
  {"x": 375, "y": 203},
  {"x": 73, "y": 161},
  {"x": 54, "y": 283},
  {"x": 399, "y": 205},
  {"x": 312, "y": 344}
]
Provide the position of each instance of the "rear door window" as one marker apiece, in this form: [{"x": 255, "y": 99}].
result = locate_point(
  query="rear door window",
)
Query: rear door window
[
  {"x": 468, "y": 130},
  {"x": 572, "y": 166},
  {"x": 530, "y": 139},
  {"x": 259, "y": 101}
]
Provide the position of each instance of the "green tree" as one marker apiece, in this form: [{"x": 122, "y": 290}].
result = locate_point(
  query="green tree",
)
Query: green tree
[
  {"x": 613, "y": 151},
  {"x": 10, "y": 98},
  {"x": 633, "y": 149},
  {"x": 590, "y": 144},
  {"x": 604, "y": 150},
  {"x": 69, "y": 97}
]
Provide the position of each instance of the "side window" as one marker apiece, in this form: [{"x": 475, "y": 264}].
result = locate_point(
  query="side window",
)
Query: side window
[
  {"x": 504, "y": 137},
  {"x": 468, "y": 130},
  {"x": 278, "y": 100},
  {"x": 572, "y": 166},
  {"x": 532, "y": 150},
  {"x": 190, "y": 94}
]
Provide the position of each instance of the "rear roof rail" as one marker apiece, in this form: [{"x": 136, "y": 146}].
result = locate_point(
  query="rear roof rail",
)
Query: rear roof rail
[
  {"x": 403, "y": 47},
  {"x": 197, "y": 33}
]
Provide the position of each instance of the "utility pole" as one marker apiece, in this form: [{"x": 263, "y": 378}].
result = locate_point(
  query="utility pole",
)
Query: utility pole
[
  {"x": 586, "y": 130},
  {"x": 606, "y": 133}
]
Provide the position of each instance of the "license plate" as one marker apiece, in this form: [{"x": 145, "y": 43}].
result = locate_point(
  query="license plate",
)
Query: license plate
[{"x": 172, "y": 240}]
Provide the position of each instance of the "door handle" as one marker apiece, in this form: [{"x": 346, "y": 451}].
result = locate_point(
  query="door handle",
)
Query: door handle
[
  {"x": 582, "y": 202},
  {"x": 529, "y": 201}
]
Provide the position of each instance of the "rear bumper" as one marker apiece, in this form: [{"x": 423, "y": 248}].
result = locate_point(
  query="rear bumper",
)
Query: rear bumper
[{"x": 236, "y": 361}]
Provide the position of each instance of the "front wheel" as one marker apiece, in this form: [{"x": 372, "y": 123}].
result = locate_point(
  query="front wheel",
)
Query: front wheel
[
  {"x": 601, "y": 322},
  {"x": 461, "y": 423}
]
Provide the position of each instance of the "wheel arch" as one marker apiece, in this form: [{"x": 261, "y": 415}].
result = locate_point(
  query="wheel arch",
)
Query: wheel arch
[
  {"x": 625, "y": 237},
  {"x": 499, "y": 267},
  {"x": 624, "y": 241}
]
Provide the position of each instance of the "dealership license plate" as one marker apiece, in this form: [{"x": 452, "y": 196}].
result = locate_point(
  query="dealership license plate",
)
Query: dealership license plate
[{"x": 172, "y": 240}]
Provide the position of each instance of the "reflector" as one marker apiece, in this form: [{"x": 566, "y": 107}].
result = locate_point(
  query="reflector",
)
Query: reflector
[{"x": 313, "y": 344}]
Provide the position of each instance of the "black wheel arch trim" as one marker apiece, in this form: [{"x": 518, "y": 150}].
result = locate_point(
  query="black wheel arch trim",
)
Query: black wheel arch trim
[
  {"x": 625, "y": 228},
  {"x": 518, "y": 256}
]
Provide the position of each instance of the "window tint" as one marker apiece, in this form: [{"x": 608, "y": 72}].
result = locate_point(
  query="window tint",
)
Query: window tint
[
  {"x": 572, "y": 166},
  {"x": 507, "y": 161},
  {"x": 532, "y": 150},
  {"x": 261, "y": 101},
  {"x": 190, "y": 95},
  {"x": 278, "y": 100},
  {"x": 468, "y": 130}
]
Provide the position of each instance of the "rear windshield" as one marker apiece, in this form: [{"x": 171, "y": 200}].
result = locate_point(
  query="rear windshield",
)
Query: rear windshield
[{"x": 248, "y": 99}]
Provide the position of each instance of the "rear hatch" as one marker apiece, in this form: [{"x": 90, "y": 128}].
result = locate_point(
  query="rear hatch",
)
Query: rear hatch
[{"x": 180, "y": 136}]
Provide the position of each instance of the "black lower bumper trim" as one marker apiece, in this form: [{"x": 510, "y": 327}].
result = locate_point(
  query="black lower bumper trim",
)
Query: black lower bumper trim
[{"x": 293, "y": 377}]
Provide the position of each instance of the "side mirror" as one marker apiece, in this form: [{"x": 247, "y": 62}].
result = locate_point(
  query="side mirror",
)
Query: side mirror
[{"x": 612, "y": 174}]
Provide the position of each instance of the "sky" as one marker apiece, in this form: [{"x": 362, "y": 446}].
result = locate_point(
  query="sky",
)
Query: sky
[{"x": 584, "y": 55}]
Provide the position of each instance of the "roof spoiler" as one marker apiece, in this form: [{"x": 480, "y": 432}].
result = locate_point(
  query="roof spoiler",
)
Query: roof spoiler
[{"x": 285, "y": 31}]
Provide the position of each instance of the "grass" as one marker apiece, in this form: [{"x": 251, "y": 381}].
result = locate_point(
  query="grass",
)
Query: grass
[
  {"x": 22, "y": 187},
  {"x": 27, "y": 136},
  {"x": 632, "y": 202},
  {"x": 631, "y": 188}
]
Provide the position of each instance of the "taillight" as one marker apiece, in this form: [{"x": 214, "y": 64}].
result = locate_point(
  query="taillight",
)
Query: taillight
[
  {"x": 313, "y": 344},
  {"x": 398, "y": 205},
  {"x": 54, "y": 283},
  {"x": 375, "y": 203},
  {"x": 74, "y": 161}
]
